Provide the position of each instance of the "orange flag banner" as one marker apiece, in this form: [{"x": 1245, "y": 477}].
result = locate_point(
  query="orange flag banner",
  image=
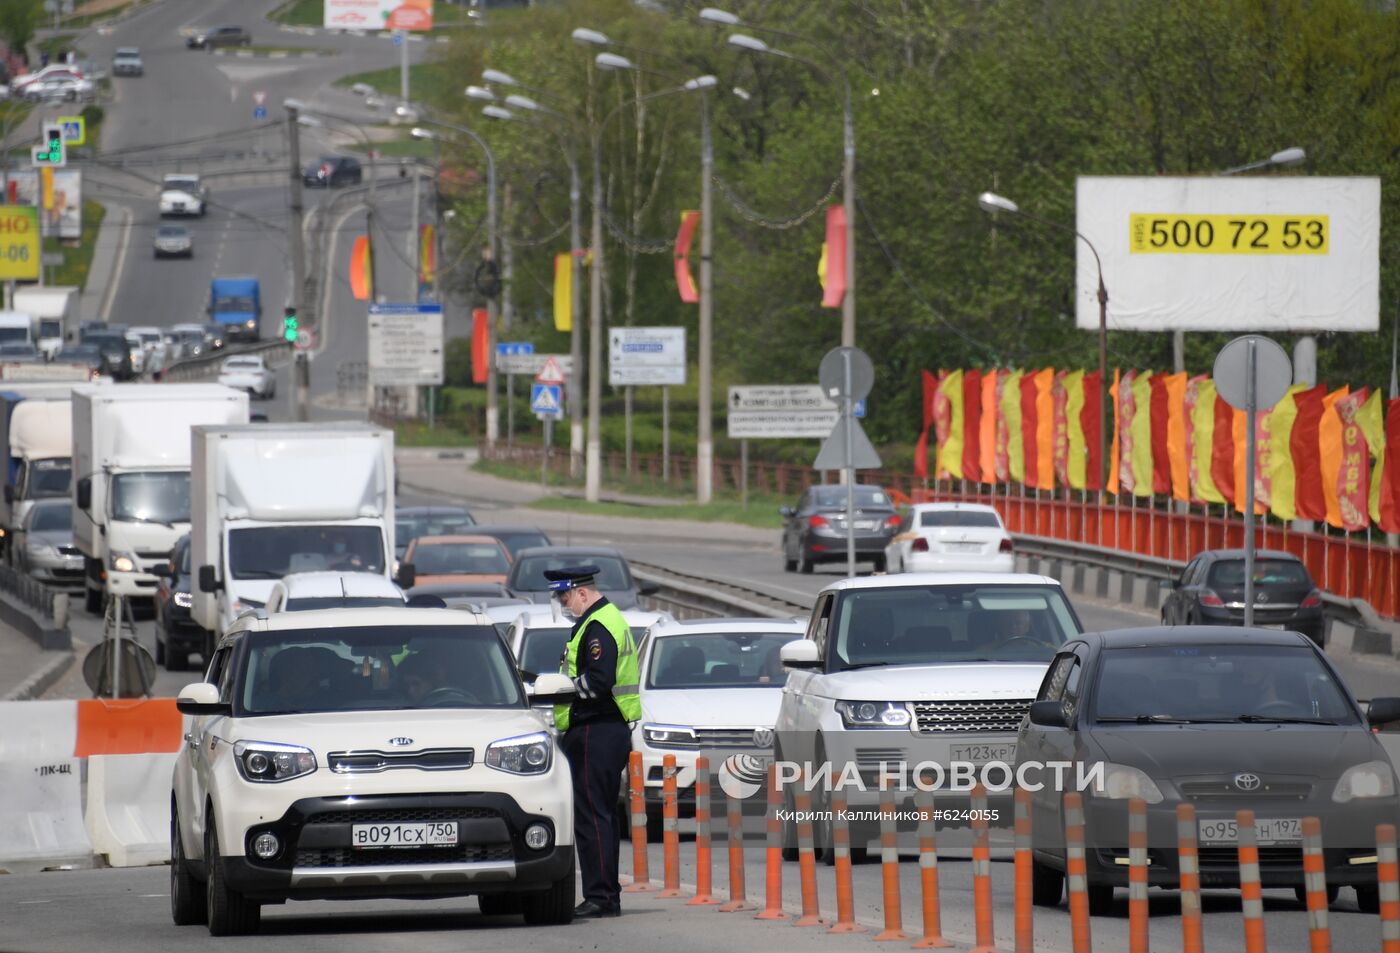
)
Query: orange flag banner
[
  {"x": 1115, "y": 447},
  {"x": 1178, "y": 457},
  {"x": 684, "y": 281},
  {"x": 1329, "y": 443},
  {"x": 360, "y": 271},
  {"x": 1061, "y": 398},
  {"x": 1045, "y": 429},
  {"x": 987, "y": 445},
  {"x": 834, "y": 258}
]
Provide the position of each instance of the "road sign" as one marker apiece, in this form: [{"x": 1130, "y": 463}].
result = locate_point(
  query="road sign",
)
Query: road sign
[
  {"x": 646, "y": 356},
  {"x": 546, "y": 400},
  {"x": 531, "y": 364},
  {"x": 19, "y": 243},
  {"x": 259, "y": 112},
  {"x": 260, "y": 97},
  {"x": 405, "y": 345},
  {"x": 306, "y": 339},
  {"x": 832, "y": 455},
  {"x": 833, "y": 377},
  {"x": 74, "y": 130},
  {"x": 512, "y": 348},
  {"x": 551, "y": 372},
  {"x": 52, "y": 259},
  {"x": 1273, "y": 372},
  {"x": 793, "y": 410}
]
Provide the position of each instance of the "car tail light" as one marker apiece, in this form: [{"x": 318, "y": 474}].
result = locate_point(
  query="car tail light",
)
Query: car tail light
[
  {"x": 1313, "y": 600},
  {"x": 1210, "y": 600},
  {"x": 892, "y": 522},
  {"x": 815, "y": 521},
  {"x": 1006, "y": 546},
  {"x": 920, "y": 546}
]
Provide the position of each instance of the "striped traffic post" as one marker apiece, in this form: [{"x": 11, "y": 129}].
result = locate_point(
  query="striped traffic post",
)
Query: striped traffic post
[
  {"x": 734, "y": 840},
  {"x": 806, "y": 856},
  {"x": 1188, "y": 862},
  {"x": 985, "y": 927},
  {"x": 773, "y": 885},
  {"x": 1315, "y": 887},
  {"x": 841, "y": 853},
  {"x": 670, "y": 831},
  {"x": 1137, "y": 876},
  {"x": 928, "y": 875},
  {"x": 1251, "y": 891},
  {"x": 641, "y": 875},
  {"x": 1388, "y": 884},
  {"x": 1025, "y": 874},
  {"x": 1077, "y": 874},
  {"x": 889, "y": 869},
  {"x": 704, "y": 885}
]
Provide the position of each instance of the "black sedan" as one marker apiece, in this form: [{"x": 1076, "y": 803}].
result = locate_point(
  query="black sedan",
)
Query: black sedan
[
  {"x": 410, "y": 522},
  {"x": 1210, "y": 591},
  {"x": 177, "y": 634},
  {"x": 330, "y": 171},
  {"x": 814, "y": 531},
  {"x": 614, "y": 579},
  {"x": 1220, "y": 718},
  {"x": 115, "y": 350}
]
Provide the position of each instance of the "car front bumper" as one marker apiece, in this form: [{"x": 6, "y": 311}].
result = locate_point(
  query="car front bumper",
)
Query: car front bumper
[
  {"x": 142, "y": 585},
  {"x": 56, "y": 570}
]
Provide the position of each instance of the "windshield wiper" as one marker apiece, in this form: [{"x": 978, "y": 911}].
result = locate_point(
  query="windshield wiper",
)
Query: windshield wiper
[
  {"x": 1282, "y": 720},
  {"x": 146, "y": 519},
  {"x": 860, "y": 665},
  {"x": 256, "y": 574},
  {"x": 1147, "y": 720}
]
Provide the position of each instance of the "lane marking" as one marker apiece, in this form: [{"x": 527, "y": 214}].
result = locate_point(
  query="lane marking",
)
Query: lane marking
[{"x": 117, "y": 276}]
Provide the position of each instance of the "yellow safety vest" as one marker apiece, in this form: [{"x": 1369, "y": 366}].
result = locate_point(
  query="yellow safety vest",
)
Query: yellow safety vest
[{"x": 624, "y": 691}]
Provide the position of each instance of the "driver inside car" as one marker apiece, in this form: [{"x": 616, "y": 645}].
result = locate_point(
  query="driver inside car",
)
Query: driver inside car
[{"x": 425, "y": 676}]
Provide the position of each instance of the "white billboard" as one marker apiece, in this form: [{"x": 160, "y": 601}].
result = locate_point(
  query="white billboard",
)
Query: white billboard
[
  {"x": 1230, "y": 254},
  {"x": 379, "y": 14}
]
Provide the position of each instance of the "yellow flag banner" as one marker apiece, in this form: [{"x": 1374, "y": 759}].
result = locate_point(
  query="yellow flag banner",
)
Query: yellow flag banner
[
  {"x": 1370, "y": 418},
  {"x": 1329, "y": 443},
  {"x": 1115, "y": 446},
  {"x": 1203, "y": 441},
  {"x": 1141, "y": 428},
  {"x": 1074, "y": 430},
  {"x": 1011, "y": 413},
  {"x": 1282, "y": 476},
  {"x": 564, "y": 292},
  {"x": 950, "y": 451}
]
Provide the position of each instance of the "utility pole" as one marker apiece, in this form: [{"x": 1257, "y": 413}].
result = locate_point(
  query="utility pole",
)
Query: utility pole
[
  {"x": 592, "y": 484},
  {"x": 298, "y": 295},
  {"x": 848, "y": 187},
  {"x": 576, "y": 375},
  {"x": 704, "y": 425}
]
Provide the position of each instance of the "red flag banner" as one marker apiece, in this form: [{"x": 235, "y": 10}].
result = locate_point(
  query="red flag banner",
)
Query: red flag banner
[
  {"x": 972, "y": 425},
  {"x": 1222, "y": 451},
  {"x": 1029, "y": 430},
  {"x": 685, "y": 282},
  {"x": 1309, "y": 501},
  {"x": 930, "y": 389},
  {"x": 834, "y": 282},
  {"x": 480, "y": 346},
  {"x": 1161, "y": 456},
  {"x": 987, "y": 439},
  {"x": 942, "y": 418},
  {"x": 1093, "y": 436},
  {"x": 1390, "y": 488},
  {"x": 1061, "y": 434},
  {"x": 1353, "y": 488}
]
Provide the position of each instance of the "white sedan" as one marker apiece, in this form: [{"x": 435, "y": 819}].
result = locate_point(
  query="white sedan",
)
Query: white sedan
[
  {"x": 248, "y": 372},
  {"x": 951, "y": 537},
  {"x": 302, "y": 591}
]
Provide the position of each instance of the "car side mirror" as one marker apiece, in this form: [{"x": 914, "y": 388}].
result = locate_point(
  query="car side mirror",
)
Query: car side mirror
[
  {"x": 800, "y": 654},
  {"x": 553, "y": 689},
  {"x": 408, "y": 575},
  {"x": 84, "y": 493},
  {"x": 648, "y": 589},
  {"x": 208, "y": 582},
  {"x": 786, "y": 511},
  {"x": 1048, "y": 714},
  {"x": 201, "y": 698},
  {"x": 1383, "y": 711}
]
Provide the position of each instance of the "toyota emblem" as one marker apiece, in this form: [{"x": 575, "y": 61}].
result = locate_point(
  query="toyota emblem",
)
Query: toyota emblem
[
  {"x": 763, "y": 737},
  {"x": 401, "y": 741},
  {"x": 1247, "y": 782}
]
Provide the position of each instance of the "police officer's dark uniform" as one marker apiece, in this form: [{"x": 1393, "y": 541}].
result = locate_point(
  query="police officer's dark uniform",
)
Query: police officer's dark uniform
[{"x": 596, "y": 737}]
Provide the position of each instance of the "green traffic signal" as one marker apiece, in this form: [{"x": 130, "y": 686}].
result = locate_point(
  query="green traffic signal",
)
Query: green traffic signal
[{"x": 289, "y": 326}]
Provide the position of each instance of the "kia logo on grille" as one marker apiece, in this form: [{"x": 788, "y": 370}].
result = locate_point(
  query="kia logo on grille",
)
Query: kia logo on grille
[
  {"x": 1247, "y": 782},
  {"x": 401, "y": 741}
]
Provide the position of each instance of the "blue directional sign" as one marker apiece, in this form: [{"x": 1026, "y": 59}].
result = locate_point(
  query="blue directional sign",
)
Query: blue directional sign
[
  {"x": 398, "y": 39},
  {"x": 512, "y": 348},
  {"x": 547, "y": 400},
  {"x": 259, "y": 112},
  {"x": 859, "y": 409}
]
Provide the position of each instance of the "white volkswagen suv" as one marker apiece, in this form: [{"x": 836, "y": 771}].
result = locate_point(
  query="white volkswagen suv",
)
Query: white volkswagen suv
[
  {"x": 916, "y": 669},
  {"x": 359, "y": 753}
]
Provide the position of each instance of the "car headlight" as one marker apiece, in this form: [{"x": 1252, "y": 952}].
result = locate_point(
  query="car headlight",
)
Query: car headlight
[
  {"x": 1372, "y": 779},
  {"x": 269, "y": 762},
  {"x": 251, "y": 323},
  {"x": 669, "y": 736},
  {"x": 874, "y": 714},
  {"x": 1122, "y": 782},
  {"x": 523, "y": 754},
  {"x": 122, "y": 562},
  {"x": 183, "y": 599}
]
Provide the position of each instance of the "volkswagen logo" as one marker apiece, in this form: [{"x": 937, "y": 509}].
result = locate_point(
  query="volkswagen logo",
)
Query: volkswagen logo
[
  {"x": 763, "y": 737},
  {"x": 1247, "y": 782},
  {"x": 1261, "y": 597},
  {"x": 401, "y": 741}
]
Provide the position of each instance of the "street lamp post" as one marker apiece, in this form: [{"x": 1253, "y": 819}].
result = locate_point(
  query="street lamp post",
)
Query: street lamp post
[
  {"x": 993, "y": 203},
  {"x": 303, "y": 367},
  {"x": 492, "y": 239}
]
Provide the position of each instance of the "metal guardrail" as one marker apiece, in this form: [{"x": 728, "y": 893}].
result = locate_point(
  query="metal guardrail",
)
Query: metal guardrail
[
  {"x": 207, "y": 366},
  {"x": 37, "y": 610}
]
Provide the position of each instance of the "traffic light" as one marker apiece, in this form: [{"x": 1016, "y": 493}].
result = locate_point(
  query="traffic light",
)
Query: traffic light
[
  {"x": 289, "y": 324},
  {"x": 52, "y": 151}
]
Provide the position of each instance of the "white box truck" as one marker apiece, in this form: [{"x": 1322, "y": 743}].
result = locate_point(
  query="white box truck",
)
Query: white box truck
[
  {"x": 131, "y": 477},
  {"x": 53, "y": 310},
  {"x": 36, "y": 437},
  {"x": 272, "y": 499}
]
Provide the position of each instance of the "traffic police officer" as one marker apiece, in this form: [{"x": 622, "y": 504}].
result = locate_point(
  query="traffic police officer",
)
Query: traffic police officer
[{"x": 595, "y": 730}]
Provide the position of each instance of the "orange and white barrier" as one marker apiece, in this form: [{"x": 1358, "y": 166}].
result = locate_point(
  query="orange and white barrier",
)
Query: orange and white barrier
[
  {"x": 1251, "y": 890},
  {"x": 704, "y": 868},
  {"x": 841, "y": 853},
  {"x": 1315, "y": 887},
  {"x": 889, "y": 870},
  {"x": 773, "y": 861},
  {"x": 130, "y": 747},
  {"x": 928, "y": 875},
  {"x": 1025, "y": 874},
  {"x": 1189, "y": 875},
  {"x": 734, "y": 841},
  {"x": 982, "y": 874},
  {"x": 641, "y": 876},
  {"x": 1138, "y": 911},
  {"x": 806, "y": 859},
  {"x": 1388, "y": 883},
  {"x": 1077, "y": 874},
  {"x": 670, "y": 832}
]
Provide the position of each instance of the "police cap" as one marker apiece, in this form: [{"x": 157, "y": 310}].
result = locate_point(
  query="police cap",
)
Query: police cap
[{"x": 570, "y": 577}]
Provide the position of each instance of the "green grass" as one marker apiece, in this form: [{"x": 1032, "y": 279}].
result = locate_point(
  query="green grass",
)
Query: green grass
[
  {"x": 53, "y": 45},
  {"x": 758, "y": 513},
  {"x": 77, "y": 261},
  {"x": 83, "y": 20},
  {"x": 398, "y": 148},
  {"x": 423, "y": 80},
  {"x": 300, "y": 13},
  {"x": 413, "y": 433}
]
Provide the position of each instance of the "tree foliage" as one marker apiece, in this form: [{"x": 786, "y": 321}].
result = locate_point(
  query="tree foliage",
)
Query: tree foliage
[
  {"x": 18, "y": 20},
  {"x": 950, "y": 98}
]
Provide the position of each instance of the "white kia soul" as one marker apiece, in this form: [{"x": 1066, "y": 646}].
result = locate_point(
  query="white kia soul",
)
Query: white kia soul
[
  {"x": 362, "y": 753},
  {"x": 898, "y": 672}
]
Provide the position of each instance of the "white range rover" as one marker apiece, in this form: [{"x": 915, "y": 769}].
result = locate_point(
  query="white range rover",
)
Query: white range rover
[
  {"x": 917, "y": 668},
  {"x": 362, "y": 753}
]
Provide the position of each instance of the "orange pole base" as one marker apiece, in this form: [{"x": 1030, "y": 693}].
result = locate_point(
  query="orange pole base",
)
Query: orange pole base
[
  {"x": 932, "y": 943},
  {"x": 886, "y": 936},
  {"x": 734, "y": 906},
  {"x": 847, "y": 928}
]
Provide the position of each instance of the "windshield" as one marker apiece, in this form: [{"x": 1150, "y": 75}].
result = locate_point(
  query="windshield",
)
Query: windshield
[
  {"x": 340, "y": 602},
  {"x": 152, "y": 497},
  {"x": 529, "y": 572},
  {"x": 937, "y": 518},
  {"x": 919, "y": 625},
  {"x": 528, "y": 539},
  {"x": 270, "y": 552},
  {"x": 174, "y": 182},
  {"x": 475, "y": 558},
  {"x": 377, "y": 668},
  {"x": 719, "y": 660},
  {"x": 542, "y": 650},
  {"x": 172, "y": 231},
  {"x": 1218, "y": 683},
  {"x": 1229, "y": 574},
  {"x": 242, "y": 365},
  {"x": 51, "y": 517},
  {"x": 836, "y": 496},
  {"x": 50, "y": 478},
  {"x": 18, "y": 349},
  {"x": 409, "y": 528},
  {"x": 50, "y": 328},
  {"x": 13, "y": 334},
  {"x": 239, "y": 303}
]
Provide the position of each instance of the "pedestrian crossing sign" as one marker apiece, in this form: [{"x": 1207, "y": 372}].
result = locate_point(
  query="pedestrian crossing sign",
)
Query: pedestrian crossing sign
[
  {"x": 546, "y": 400},
  {"x": 74, "y": 130}
]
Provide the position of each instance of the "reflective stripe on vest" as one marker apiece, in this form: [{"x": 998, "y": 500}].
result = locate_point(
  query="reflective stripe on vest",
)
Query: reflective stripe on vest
[{"x": 625, "y": 686}]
